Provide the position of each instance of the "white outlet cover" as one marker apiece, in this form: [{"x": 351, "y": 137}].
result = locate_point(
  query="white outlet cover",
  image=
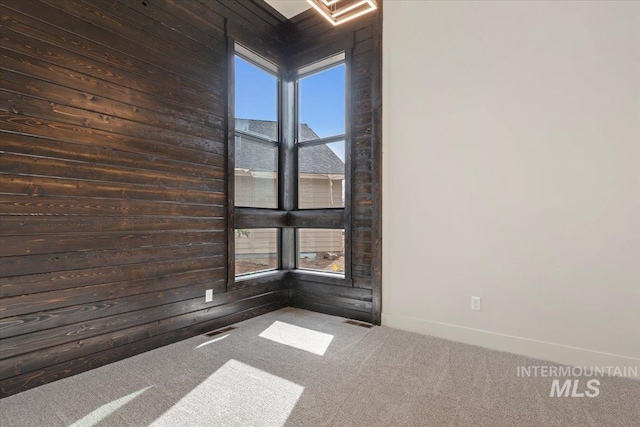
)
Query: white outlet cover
[
  {"x": 208, "y": 296},
  {"x": 475, "y": 303}
]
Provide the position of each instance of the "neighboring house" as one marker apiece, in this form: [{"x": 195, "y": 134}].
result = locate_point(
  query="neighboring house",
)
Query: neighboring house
[{"x": 321, "y": 185}]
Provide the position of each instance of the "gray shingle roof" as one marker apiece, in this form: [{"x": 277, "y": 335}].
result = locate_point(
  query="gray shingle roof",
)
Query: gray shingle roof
[{"x": 319, "y": 159}]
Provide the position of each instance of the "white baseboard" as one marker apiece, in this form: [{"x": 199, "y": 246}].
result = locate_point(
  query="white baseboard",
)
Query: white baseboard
[{"x": 557, "y": 353}]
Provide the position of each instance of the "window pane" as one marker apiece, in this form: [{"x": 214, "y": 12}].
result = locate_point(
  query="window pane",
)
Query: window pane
[
  {"x": 321, "y": 250},
  {"x": 256, "y": 100},
  {"x": 322, "y": 104},
  {"x": 256, "y": 174},
  {"x": 321, "y": 172},
  {"x": 256, "y": 250}
]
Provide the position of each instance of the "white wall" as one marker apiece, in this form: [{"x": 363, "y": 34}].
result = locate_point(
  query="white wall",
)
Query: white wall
[{"x": 512, "y": 172}]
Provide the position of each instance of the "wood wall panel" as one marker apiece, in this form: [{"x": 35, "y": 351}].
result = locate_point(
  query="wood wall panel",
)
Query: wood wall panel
[
  {"x": 350, "y": 302},
  {"x": 113, "y": 179}
]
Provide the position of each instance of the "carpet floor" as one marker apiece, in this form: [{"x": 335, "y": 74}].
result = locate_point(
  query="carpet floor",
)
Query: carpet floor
[{"x": 293, "y": 367}]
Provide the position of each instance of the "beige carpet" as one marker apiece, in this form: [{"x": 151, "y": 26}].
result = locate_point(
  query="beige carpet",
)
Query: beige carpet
[{"x": 298, "y": 368}]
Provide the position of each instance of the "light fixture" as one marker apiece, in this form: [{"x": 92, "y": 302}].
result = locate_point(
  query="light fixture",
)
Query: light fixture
[{"x": 340, "y": 11}]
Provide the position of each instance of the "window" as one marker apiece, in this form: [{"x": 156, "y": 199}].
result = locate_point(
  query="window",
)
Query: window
[
  {"x": 256, "y": 99},
  {"x": 321, "y": 172},
  {"x": 256, "y": 173},
  {"x": 256, "y": 134},
  {"x": 321, "y": 106},
  {"x": 321, "y": 250},
  {"x": 255, "y": 159},
  {"x": 321, "y": 137},
  {"x": 256, "y": 250}
]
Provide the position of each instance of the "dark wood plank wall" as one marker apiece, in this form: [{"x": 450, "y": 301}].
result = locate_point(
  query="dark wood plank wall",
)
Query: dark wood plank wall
[
  {"x": 312, "y": 38},
  {"x": 113, "y": 182}
]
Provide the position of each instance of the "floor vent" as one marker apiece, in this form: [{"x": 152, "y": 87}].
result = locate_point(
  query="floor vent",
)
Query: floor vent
[
  {"x": 220, "y": 331},
  {"x": 355, "y": 322}
]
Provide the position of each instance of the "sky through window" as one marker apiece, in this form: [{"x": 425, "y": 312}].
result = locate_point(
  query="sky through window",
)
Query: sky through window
[{"x": 322, "y": 98}]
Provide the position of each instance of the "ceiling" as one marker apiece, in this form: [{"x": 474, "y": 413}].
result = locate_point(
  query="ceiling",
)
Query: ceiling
[{"x": 289, "y": 8}]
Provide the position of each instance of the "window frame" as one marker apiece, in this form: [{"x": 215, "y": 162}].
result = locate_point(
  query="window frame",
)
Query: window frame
[
  {"x": 244, "y": 217},
  {"x": 324, "y": 217},
  {"x": 329, "y": 217}
]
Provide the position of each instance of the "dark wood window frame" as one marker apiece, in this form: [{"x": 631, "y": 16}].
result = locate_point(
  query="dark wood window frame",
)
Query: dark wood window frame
[
  {"x": 246, "y": 217},
  {"x": 329, "y": 218},
  {"x": 287, "y": 217}
]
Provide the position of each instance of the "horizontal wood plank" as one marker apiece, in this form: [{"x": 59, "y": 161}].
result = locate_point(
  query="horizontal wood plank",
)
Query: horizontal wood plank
[
  {"x": 46, "y": 186},
  {"x": 84, "y": 151},
  {"x": 34, "y": 264},
  {"x": 61, "y": 243},
  {"x": 111, "y": 275}
]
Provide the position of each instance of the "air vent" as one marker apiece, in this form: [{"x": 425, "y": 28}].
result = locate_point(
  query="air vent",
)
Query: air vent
[
  {"x": 355, "y": 322},
  {"x": 220, "y": 331}
]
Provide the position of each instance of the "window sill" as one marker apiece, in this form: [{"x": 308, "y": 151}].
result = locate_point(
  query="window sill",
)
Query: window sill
[
  {"x": 321, "y": 277},
  {"x": 304, "y": 275},
  {"x": 257, "y": 278}
]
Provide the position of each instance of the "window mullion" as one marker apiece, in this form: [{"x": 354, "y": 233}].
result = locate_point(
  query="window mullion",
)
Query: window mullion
[{"x": 288, "y": 168}]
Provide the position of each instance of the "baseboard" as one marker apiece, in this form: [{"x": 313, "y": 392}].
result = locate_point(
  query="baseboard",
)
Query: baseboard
[{"x": 556, "y": 353}]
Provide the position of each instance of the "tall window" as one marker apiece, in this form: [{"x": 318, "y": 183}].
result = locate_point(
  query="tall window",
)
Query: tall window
[
  {"x": 321, "y": 138},
  {"x": 321, "y": 128},
  {"x": 255, "y": 158},
  {"x": 291, "y": 167}
]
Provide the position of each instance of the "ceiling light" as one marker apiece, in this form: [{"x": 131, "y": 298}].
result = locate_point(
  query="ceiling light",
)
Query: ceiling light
[{"x": 340, "y": 11}]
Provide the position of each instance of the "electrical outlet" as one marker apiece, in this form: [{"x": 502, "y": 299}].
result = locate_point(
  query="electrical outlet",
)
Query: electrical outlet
[
  {"x": 208, "y": 295},
  {"x": 475, "y": 303}
]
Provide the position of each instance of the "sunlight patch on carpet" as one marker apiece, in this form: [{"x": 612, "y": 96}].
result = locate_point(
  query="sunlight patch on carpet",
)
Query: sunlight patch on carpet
[
  {"x": 236, "y": 394},
  {"x": 94, "y": 417},
  {"x": 295, "y": 336}
]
